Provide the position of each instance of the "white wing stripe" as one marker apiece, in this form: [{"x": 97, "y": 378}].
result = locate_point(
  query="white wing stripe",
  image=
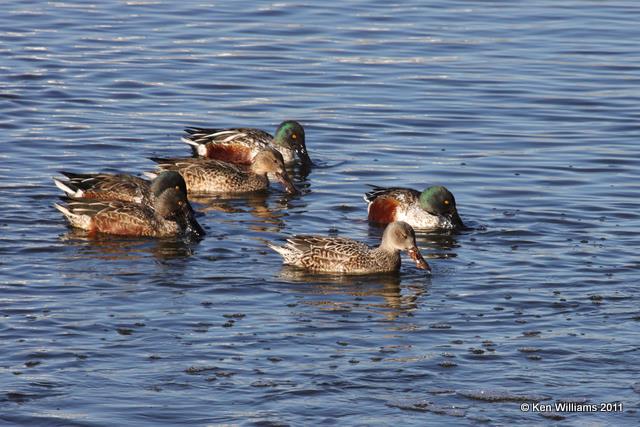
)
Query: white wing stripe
[
  {"x": 232, "y": 137},
  {"x": 222, "y": 132}
]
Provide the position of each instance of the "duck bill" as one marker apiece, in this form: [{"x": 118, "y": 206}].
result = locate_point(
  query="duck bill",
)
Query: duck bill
[
  {"x": 191, "y": 225},
  {"x": 305, "y": 160},
  {"x": 456, "y": 221},
  {"x": 415, "y": 255},
  {"x": 284, "y": 179}
]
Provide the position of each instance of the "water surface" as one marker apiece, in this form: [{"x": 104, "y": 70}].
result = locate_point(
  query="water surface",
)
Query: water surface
[{"x": 527, "y": 111}]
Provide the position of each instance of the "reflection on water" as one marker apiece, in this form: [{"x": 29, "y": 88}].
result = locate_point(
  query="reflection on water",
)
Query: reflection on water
[
  {"x": 269, "y": 209},
  {"x": 300, "y": 175},
  {"x": 527, "y": 111},
  {"x": 261, "y": 204},
  {"x": 437, "y": 244},
  {"x": 385, "y": 294},
  {"x": 110, "y": 247}
]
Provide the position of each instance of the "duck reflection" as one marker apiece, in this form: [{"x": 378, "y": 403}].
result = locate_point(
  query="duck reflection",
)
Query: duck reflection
[
  {"x": 300, "y": 175},
  {"x": 262, "y": 205},
  {"x": 390, "y": 295},
  {"x": 436, "y": 244},
  {"x": 444, "y": 242},
  {"x": 111, "y": 247}
]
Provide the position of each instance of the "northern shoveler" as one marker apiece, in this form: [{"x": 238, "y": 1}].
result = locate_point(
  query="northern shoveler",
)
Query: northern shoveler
[
  {"x": 122, "y": 187},
  {"x": 240, "y": 145},
  {"x": 169, "y": 215},
  {"x": 340, "y": 255},
  {"x": 214, "y": 176},
  {"x": 434, "y": 208}
]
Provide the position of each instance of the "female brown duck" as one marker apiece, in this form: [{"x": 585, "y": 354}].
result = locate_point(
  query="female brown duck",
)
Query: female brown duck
[{"x": 340, "y": 255}]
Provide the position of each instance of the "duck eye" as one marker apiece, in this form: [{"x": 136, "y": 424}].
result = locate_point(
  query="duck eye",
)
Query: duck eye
[
  {"x": 294, "y": 136},
  {"x": 446, "y": 202}
]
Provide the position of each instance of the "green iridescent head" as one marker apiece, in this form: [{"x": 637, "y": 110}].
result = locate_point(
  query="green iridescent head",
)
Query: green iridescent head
[
  {"x": 166, "y": 180},
  {"x": 437, "y": 200},
  {"x": 171, "y": 202},
  {"x": 290, "y": 134}
]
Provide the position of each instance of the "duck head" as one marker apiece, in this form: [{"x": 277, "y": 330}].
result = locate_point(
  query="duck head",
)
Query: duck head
[
  {"x": 271, "y": 161},
  {"x": 171, "y": 202},
  {"x": 291, "y": 134},
  {"x": 439, "y": 201},
  {"x": 400, "y": 236}
]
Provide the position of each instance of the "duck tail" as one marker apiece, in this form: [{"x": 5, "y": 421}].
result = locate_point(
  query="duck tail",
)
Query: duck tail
[
  {"x": 375, "y": 192},
  {"x": 282, "y": 250},
  {"x": 76, "y": 220},
  {"x": 68, "y": 188},
  {"x": 66, "y": 212},
  {"x": 198, "y": 148}
]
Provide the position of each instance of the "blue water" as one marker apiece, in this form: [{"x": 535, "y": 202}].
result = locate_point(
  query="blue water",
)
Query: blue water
[{"x": 529, "y": 112}]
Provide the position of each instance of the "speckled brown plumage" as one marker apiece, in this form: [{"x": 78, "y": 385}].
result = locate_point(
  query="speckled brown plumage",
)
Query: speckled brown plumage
[
  {"x": 164, "y": 212},
  {"x": 104, "y": 186},
  {"x": 341, "y": 255},
  {"x": 241, "y": 145},
  {"x": 122, "y": 187},
  {"x": 213, "y": 176},
  {"x": 115, "y": 217}
]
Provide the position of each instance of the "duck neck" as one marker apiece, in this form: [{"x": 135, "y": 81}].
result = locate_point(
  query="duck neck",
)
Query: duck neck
[
  {"x": 387, "y": 248},
  {"x": 257, "y": 170},
  {"x": 280, "y": 138},
  {"x": 385, "y": 244},
  {"x": 387, "y": 256},
  {"x": 257, "y": 181}
]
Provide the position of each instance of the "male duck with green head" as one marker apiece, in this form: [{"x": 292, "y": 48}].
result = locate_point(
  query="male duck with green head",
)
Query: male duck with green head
[
  {"x": 434, "y": 208},
  {"x": 240, "y": 145}
]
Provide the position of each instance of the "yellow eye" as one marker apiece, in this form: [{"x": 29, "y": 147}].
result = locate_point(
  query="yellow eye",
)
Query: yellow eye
[
  {"x": 446, "y": 202},
  {"x": 177, "y": 187},
  {"x": 180, "y": 203},
  {"x": 294, "y": 136}
]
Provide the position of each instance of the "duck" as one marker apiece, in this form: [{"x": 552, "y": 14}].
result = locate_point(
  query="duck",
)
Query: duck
[
  {"x": 433, "y": 208},
  {"x": 169, "y": 213},
  {"x": 240, "y": 145},
  {"x": 347, "y": 256},
  {"x": 118, "y": 186},
  {"x": 206, "y": 176}
]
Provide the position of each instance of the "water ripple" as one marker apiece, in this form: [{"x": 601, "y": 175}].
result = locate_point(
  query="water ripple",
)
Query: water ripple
[{"x": 527, "y": 112}]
